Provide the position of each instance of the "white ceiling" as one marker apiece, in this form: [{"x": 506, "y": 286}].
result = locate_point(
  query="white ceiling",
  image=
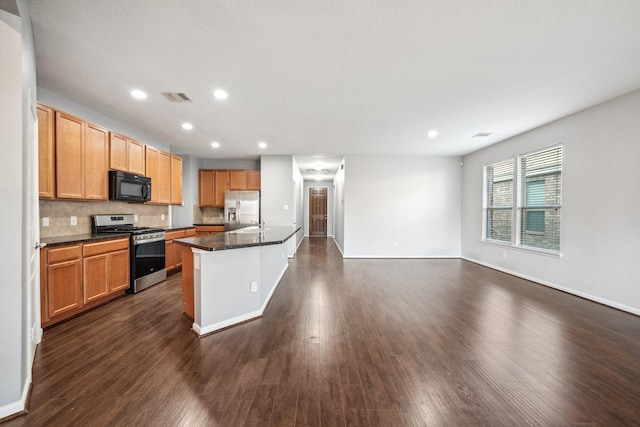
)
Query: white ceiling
[{"x": 322, "y": 79}]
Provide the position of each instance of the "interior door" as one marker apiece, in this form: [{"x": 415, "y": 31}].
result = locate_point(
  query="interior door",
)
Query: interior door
[{"x": 317, "y": 212}]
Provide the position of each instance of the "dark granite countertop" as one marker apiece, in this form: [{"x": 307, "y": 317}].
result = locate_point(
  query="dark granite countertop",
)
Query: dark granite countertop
[
  {"x": 179, "y": 228},
  {"x": 80, "y": 238},
  {"x": 251, "y": 236}
]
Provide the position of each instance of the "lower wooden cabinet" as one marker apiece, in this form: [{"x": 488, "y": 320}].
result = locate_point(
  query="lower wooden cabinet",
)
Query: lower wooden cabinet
[
  {"x": 173, "y": 251},
  {"x": 77, "y": 277}
]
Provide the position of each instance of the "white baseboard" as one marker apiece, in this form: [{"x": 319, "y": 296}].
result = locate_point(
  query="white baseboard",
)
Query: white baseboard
[
  {"x": 338, "y": 246},
  {"x": 20, "y": 405},
  {"x": 558, "y": 287}
]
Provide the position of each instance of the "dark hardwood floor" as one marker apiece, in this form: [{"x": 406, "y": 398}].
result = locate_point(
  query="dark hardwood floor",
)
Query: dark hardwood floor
[{"x": 349, "y": 342}]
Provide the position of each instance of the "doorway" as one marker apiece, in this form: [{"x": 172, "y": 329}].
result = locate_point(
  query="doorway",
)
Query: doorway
[{"x": 317, "y": 212}]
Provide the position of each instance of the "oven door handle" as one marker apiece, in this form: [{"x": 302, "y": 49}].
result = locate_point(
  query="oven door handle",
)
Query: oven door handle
[{"x": 142, "y": 242}]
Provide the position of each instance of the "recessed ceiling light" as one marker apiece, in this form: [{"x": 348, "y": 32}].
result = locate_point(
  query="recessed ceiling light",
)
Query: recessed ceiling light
[
  {"x": 138, "y": 94},
  {"x": 187, "y": 126},
  {"x": 215, "y": 144},
  {"x": 262, "y": 144},
  {"x": 432, "y": 133},
  {"x": 318, "y": 178},
  {"x": 220, "y": 94}
]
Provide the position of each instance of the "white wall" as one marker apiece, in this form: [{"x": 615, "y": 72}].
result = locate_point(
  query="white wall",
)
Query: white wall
[
  {"x": 12, "y": 332},
  {"x": 230, "y": 164},
  {"x": 400, "y": 207},
  {"x": 330, "y": 209},
  {"x": 600, "y": 236}
]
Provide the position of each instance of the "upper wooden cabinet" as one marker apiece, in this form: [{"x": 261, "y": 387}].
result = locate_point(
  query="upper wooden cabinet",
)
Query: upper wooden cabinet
[
  {"x": 212, "y": 183},
  {"x": 176, "y": 180},
  {"x": 159, "y": 170},
  {"x": 46, "y": 152},
  {"x": 222, "y": 185},
  {"x": 206, "y": 188},
  {"x": 81, "y": 159},
  {"x": 126, "y": 154}
]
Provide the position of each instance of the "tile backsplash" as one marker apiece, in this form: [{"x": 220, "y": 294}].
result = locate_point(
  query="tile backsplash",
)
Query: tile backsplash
[
  {"x": 208, "y": 215},
  {"x": 59, "y": 213}
]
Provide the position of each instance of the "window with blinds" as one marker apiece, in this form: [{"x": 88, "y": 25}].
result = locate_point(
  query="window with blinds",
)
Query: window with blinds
[
  {"x": 540, "y": 199},
  {"x": 499, "y": 201},
  {"x": 534, "y": 190}
]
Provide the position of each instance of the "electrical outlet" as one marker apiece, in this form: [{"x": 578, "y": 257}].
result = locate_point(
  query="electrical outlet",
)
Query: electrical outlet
[
  {"x": 254, "y": 287},
  {"x": 162, "y": 217},
  {"x": 45, "y": 221},
  {"x": 504, "y": 254},
  {"x": 74, "y": 220},
  {"x": 395, "y": 244},
  {"x": 135, "y": 218}
]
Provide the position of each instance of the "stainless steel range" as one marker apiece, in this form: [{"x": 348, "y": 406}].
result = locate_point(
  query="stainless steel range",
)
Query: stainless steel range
[{"x": 147, "y": 249}]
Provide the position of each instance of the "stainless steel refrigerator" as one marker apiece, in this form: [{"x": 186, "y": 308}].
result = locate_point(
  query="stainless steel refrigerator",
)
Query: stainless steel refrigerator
[{"x": 241, "y": 209}]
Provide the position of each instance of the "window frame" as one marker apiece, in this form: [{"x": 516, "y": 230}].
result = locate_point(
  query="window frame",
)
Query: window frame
[{"x": 519, "y": 207}]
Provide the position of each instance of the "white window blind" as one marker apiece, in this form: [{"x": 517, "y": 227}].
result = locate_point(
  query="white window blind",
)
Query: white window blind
[
  {"x": 499, "y": 201},
  {"x": 540, "y": 199}
]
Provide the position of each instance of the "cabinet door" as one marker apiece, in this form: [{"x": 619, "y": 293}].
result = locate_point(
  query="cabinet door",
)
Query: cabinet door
[
  {"x": 118, "y": 152},
  {"x": 96, "y": 162},
  {"x": 253, "y": 180},
  {"x": 164, "y": 177},
  {"x": 152, "y": 166},
  {"x": 206, "y": 188},
  {"x": 169, "y": 260},
  {"x": 222, "y": 185},
  {"x": 118, "y": 271},
  {"x": 237, "y": 180},
  {"x": 46, "y": 153},
  {"x": 69, "y": 157},
  {"x": 176, "y": 180},
  {"x": 64, "y": 287},
  {"x": 136, "y": 157},
  {"x": 95, "y": 278}
]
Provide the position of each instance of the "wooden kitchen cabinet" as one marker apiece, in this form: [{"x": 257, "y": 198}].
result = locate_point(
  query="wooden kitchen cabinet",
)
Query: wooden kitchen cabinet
[
  {"x": 105, "y": 268},
  {"x": 244, "y": 180},
  {"x": 176, "y": 180},
  {"x": 222, "y": 185},
  {"x": 208, "y": 230},
  {"x": 46, "y": 152},
  {"x": 159, "y": 170},
  {"x": 173, "y": 251},
  {"x": 206, "y": 188},
  {"x": 126, "y": 154},
  {"x": 64, "y": 280},
  {"x": 77, "y": 277},
  {"x": 81, "y": 159}
]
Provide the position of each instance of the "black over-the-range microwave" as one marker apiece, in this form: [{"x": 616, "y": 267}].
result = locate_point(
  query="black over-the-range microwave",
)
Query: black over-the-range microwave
[{"x": 129, "y": 187}]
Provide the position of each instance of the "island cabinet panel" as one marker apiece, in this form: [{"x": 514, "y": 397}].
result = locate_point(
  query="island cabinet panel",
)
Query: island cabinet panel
[
  {"x": 176, "y": 180},
  {"x": 46, "y": 152},
  {"x": 187, "y": 281},
  {"x": 206, "y": 188},
  {"x": 69, "y": 157},
  {"x": 64, "y": 280},
  {"x": 222, "y": 185}
]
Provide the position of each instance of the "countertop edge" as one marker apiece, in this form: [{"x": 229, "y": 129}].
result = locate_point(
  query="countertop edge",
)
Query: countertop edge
[
  {"x": 49, "y": 242},
  {"x": 231, "y": 246}
]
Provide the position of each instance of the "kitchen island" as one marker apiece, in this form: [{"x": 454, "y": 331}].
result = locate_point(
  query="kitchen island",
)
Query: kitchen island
[{"x": 229, "y": 278}]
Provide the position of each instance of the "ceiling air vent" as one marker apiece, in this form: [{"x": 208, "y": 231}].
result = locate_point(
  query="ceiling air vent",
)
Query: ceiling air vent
[
  {"x": 176, "y": 97},
  {"x": 481, "y": 134}
]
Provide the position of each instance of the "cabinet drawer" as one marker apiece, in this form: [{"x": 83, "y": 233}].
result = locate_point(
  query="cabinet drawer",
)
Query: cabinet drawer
[
  {"x": 63, "y": 253},
  {"x": 174, "y": 235},
  {"x": 190, "y": 232},
  {"x": 91, "y": 249},
  {"x": 210, "y": 228}
]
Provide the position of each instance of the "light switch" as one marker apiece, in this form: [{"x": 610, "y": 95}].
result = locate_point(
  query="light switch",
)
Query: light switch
[
  {"x": 74, "y": 220},
  {"x": 286, "y": 207},
  {"x": 162, "y": 217},
  {"x": 45, "y": 221}
]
